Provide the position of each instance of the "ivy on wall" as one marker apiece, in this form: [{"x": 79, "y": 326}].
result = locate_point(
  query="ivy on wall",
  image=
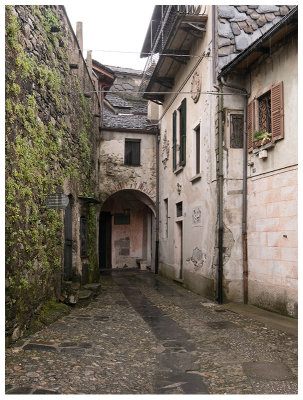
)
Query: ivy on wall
[{"x": 42, "y": 152}]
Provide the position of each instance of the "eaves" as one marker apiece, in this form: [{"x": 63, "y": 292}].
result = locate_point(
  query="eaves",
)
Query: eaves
[
  {"x": 287, "y": 25},
  {"x": 130, "y": 130}
]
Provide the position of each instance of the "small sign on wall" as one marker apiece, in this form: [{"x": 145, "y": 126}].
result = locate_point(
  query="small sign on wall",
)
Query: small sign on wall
[
  {"x": 57, "y": 201},
  {"x": 197, "y": 216}
]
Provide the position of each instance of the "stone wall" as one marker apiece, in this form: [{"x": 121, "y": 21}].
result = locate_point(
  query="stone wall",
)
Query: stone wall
[
  {"x": 240, "y": 26},
  {"x": 51, "y": 137}
]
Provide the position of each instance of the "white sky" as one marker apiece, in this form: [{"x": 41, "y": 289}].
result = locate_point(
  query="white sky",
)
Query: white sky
[{"x": 113, "y": 26}]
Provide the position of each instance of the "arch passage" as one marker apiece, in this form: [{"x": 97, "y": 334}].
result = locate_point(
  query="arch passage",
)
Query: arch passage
[{"x": 126, "y": 230}]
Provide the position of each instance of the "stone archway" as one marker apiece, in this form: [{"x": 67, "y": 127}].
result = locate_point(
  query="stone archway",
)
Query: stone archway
[{"x": 127, "y": 230}]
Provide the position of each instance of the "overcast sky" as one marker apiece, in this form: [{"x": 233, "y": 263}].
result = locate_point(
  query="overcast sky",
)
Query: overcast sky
[{"x": 114, "y": 26}]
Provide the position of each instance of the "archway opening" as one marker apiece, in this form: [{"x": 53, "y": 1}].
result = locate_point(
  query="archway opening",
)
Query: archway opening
[{"x": 127, "y": 231}]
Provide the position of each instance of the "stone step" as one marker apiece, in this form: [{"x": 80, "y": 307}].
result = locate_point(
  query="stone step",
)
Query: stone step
[
  {"x": 94, "y": 287},
  {"x": 85, "y": 294},
  {"x": 144, "y": 265}
]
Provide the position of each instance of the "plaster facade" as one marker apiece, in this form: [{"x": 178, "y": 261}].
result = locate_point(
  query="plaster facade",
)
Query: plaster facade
[
  {"x": 187, "y": 245},
  {"x": 190, "y": 193}
]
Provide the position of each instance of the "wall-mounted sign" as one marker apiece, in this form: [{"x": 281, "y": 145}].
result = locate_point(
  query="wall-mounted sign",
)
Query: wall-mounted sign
[
  {"x": 195, "y": 87},
  {"x": 57, "y": 201}
]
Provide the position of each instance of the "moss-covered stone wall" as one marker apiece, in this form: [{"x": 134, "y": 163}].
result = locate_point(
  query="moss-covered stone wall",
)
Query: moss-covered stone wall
[{"x": 51, "y": 134}]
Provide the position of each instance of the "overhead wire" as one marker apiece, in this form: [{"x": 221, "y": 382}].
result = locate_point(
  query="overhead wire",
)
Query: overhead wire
[
  {"x": 137, "y": 52},
  {"x": 144, "y": 92}
]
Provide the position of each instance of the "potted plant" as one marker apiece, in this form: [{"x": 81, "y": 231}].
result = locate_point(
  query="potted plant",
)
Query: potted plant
[{"x": 261, "y": 138}]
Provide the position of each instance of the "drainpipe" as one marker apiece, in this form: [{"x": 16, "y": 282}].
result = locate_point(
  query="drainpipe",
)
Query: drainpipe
[
  {"x": 244, "y": 190},
  {"x": 220, "y": 203},
  {"x": 220, "y": 155},
  {"x": 157, "y": 205}
]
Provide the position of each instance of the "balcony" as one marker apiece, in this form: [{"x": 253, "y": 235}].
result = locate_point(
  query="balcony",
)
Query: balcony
[{"x": 167, "y": 45}]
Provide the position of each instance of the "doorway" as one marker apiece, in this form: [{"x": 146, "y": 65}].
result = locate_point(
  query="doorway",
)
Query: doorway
[
  {"x": 105, "y": 235},
  {"x": 179, "y": 248},
  {"x": 126, "y": 231},
  {"x": 68, "y": 242}
]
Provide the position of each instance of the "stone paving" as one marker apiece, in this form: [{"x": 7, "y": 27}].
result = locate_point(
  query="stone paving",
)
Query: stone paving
[{"x": 145, "y": 334}]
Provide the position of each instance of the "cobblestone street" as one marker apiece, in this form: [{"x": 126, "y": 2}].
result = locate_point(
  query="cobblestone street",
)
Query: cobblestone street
[{"x": 145, "y": 334}]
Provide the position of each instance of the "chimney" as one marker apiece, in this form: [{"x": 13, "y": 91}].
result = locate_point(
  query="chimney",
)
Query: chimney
[
  {"x": 79, "y": 35},
  {"x": 89, "y": 63}
]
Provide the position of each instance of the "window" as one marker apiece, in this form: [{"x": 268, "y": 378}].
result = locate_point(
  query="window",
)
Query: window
[
  {"x": 264, "y": 112},
  {"x": 83, "y": 237},
  {"x": 179, "y": 136},
  {"x": 132, "y": 152},
  {"x": 236, "y": 131},
  {"x": 265, "y": 117},
  {"x": 179, "y": 209},
  {"x": 122, "y": 218},
  {"x": 165, "y": 230},
  {"x": 197, "y": 142}
]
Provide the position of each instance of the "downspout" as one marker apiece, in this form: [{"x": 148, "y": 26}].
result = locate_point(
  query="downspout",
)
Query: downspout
[
  {"x": 157, "y": 205},
  {"x": 220, "y": 203},
  {"x": 220, "y": 177},
  {"x": 244, "y": 190}
]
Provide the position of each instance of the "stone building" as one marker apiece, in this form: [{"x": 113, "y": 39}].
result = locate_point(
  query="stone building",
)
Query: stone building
[
  {"x": 271, "y": 164},
  {"x": 207, "y": 210},
  {"x": 127, "y": 176},
  {"x": 51, "y": 154}
]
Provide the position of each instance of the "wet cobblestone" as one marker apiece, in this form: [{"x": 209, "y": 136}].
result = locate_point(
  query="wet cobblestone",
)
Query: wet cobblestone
[{"x": 147, "y": 335}]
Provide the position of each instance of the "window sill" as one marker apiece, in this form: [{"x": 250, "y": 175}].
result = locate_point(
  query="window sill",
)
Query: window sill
[
  {"x": 178, "y": 170},
  {"x": 195, "y": 178},
  {"x": 264, "y": 147}
]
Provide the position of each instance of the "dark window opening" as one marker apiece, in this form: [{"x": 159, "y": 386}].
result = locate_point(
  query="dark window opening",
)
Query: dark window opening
[
  {"x": 165, "y": 218},
  {"x": 122, "y": 218},
  {"x": 179, "y": 136},
  {"x": 236, "y": 131},
  {"x": 265, "y": 112},
  {"x": 179, "y": 209},
  {"x": 132, "y": 152},
  {"x": 197, "y": 130}
]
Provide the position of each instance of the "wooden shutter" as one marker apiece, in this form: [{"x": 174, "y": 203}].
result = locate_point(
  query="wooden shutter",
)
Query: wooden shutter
[
  {"x": 183, "y": 133},
  {"x": 277, "y": 112},
  {"x": 250, "y": 125},
  {"x": 174, "y": 140}
]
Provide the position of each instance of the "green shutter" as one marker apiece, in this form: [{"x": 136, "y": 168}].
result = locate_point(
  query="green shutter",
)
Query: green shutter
[
  {"x": 183, "y": 133},
  {"x": 174, "y": 140}
]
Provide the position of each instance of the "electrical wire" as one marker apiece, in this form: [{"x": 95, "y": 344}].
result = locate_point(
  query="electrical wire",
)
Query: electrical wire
[
  {"x": 138, "y": 52},
  {"x": 143, "y": 92}
]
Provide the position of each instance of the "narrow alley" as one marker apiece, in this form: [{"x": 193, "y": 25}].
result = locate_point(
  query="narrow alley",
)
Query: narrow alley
[{"x": 144, "y": 334}]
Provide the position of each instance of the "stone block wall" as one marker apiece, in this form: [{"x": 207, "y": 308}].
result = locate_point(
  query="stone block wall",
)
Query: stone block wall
[
  {"x": 51, "y": 138},
  {"x": 240, "y": 26},
  {"x": 272, "y": 241}
]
